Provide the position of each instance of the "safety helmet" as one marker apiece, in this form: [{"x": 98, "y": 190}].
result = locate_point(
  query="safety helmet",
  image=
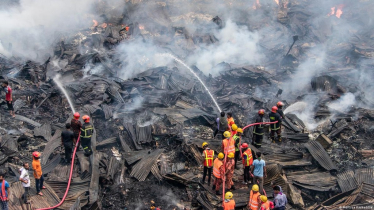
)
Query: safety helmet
[
  {"x": 280, "y": 104},
  {"x": 274, "y": 109},
  {"x": 255, "y": 188},
  {"x": 261, "y": 111},
  {"x": 76, "y": 115},
  {"x": 36, "y": 154},
  {"x": 228, "y": 195},
  {"x": 205, "y": 144},
  {"x": 221, "y": 156},
  {"x": 231, "y": 155},
  {"x": 227, "y": 134},
  {"x": 263, "y": 198},
  {"x": 244, "y": 145},
  {"x": 234, "y": 127},
  {"x": 86, "y": 118},
  {"x": 239, "y": 130}
]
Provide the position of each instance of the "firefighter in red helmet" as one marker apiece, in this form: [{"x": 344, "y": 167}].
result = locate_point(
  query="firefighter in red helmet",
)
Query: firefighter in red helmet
[
  {"x": 275, "y": 128},
  {"x": 86, "y": 134},
  {"x": 258, "y": 130}
]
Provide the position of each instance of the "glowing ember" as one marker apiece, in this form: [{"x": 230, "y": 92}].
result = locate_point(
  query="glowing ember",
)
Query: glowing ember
[
  {"x": 95, "y": 23},
  {"x": 104, "y": 25},
  {"x": 337, "y": 11}
]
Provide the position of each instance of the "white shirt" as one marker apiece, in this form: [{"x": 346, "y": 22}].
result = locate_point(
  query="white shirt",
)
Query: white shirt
[{"x": 25, "y": 176}]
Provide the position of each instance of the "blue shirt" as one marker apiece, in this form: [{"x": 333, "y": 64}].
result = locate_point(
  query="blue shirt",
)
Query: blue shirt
[
  {"x": 6, "y": 187},
  {"x": 259, "y": 167}
]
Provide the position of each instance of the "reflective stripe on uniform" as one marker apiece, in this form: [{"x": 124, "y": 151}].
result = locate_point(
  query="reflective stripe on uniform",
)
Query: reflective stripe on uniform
[
  {"x": 216, "y": 168},
  {"x": 247, "y": 153},
  {"x": 209, "y": 157},
  {"x": 253, "y": 200}
]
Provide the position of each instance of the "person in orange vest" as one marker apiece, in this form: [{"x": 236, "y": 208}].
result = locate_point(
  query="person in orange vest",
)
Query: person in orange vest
[
  {"x": 247, "y": 162},
  {"x": 254, "y": 198},
  {"x": 237, "y": 138},
  {"x": 228, "y": 144},
  {"x": 265, "y": 204},
  {"x": 218, "y": 172},
  {"x": 229, "y": 203},
  {"x": 234, "y": 129},
  {"x": 230, "y": 167},
  {"x": 208, "y": 162},
  {"x": 38, "y": 174},
  {"x": 230, "y": 120}
]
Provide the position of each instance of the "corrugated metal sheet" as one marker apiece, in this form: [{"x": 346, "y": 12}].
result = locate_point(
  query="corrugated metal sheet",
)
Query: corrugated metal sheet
[
  {"x": 364, "y": 175},
  {"x": 347, "y": 181},
  {"x": 141, "y": 170},
  {"x": 320, "y": 154},
  {"x": 27, "y": 120},
  {"x": 44, "y": 131}
]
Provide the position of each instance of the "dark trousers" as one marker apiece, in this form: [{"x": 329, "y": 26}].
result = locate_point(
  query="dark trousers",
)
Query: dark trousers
[
  {"x": 247, "y": 178},
  {"x": 237, "y": 155},
  {"x": 260, "y": 182},
  {"x": 4, "y": 205},
  {"x": 39, "y": 184},
  {"x": 220, "y": 132},
  {"x": 25, "y": 194},
  {"x": 68, "y": 151},
  {"x": 257, "y": 140},
  {"x": 209, "y": 172},
  {"x": 280, "y": 208},
  {"x": 272, "y": 133},
  {"x": 86, "y": 144}
]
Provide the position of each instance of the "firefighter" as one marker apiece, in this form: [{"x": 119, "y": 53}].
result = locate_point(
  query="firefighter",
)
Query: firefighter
[
  {"x": 228, "y": 144},
  {"x": 230, "y": 167},
  {"x": 86, "y": 134},
  {"x": 238, "y": 138},
  {"x": 229, "y": 203},
  {"x": 247, "y": 162},
  {"x": 230, "y": 120},
  {"x": 76, "y": 126},
  {"x": 275, "y": 128},
  {"x": 258, "y": 130},
  {"x": 254, "y": 198},
  {"x": 234, "y": 129},
  {"x": 280, "y": 105},
  {"x": 265, "y": 204},
  {"x": 208, "y": 162},
  {"x": 218, "y": 172}
]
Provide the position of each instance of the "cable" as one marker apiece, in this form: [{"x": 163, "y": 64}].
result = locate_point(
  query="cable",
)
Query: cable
[{"x": 70, "y": 175}]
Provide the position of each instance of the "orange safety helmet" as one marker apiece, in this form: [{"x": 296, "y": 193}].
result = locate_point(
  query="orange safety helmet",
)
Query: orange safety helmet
[
  {"x": 76, "y": 115},
  {"x": 244, "y": 145},
  {"x": 36, "y": 154},
  {"x": 86, "y": 118},
  {"x": 274, "y": 109},
  {"x": 280, "y": 104},
  {"x": 261, "y": 112}
]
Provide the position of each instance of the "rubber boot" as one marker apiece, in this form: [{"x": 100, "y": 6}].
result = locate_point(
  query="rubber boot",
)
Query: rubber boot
[{"x": 280, "y": 138}]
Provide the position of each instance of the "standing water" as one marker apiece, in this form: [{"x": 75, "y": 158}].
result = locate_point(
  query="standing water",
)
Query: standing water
[
  {"x": 56, "y": 79},
  {"x": 185, "y": 65}
]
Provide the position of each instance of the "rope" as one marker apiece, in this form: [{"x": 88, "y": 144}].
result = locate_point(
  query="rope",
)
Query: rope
[{"x": 70, "y": 175}]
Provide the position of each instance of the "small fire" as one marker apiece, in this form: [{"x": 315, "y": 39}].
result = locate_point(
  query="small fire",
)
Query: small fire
[
  {"x": 95, "y": 23},
  {"x": 337, "y": 11}
]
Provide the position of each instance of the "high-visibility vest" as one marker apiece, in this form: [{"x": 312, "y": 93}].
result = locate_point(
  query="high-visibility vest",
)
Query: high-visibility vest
[
  {"x": 216, "y": 168},
  {"x": 229, "y": 145},
  {"x": 238, "y": 144},
  {"x": 253, "y": 200},
  {"x": 229, "y": 205},
  {"x": 266, "y": 205},
  {"x": 230, "y": 121},
  {"x": 249, "y": 160},
  {"x": 209, "y": 154}
]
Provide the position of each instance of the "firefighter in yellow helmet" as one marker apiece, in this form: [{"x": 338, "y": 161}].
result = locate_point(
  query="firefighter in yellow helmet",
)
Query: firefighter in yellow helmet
[
  {"x": 230, "y": 166},
  {"x": 208, "y": 155},
  {"x": 228, "y": 144},
  {"x": 237, "y": 138},
  {"x": 265, "y": 203},
  {"x": 218, "y": 172},
  {"x": 254, "y": 198},
  {"x": 229, "y": 203}
]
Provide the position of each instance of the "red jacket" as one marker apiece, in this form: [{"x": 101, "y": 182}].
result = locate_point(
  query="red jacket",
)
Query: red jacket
[{"x": 8, "y": 95}]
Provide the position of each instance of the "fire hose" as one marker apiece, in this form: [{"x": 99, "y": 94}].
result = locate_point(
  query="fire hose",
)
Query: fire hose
[
  {"x": 224, "y": 162},
  {"x": 70, "y": 175}
]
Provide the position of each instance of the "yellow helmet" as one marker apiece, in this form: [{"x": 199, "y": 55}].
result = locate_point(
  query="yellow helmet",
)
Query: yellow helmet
[
  {"x": 234, "y": 127},
  {"x": 231, "y": 155},
  {"x": 221, "y": 156},
  {"x": 239, "y": 130},
  {"x": 263, "y": 198},
  {"x": 205, "y": 144},
  {"x": 227, "y": 134},
  {"x": 255, "y": 188},
  {"x": 228, "y": 195}
]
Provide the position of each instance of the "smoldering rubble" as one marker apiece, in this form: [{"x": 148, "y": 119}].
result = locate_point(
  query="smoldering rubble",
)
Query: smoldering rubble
[{"x": 151, "y": 115}]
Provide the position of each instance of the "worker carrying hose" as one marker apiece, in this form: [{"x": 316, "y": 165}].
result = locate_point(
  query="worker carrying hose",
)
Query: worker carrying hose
[
  {"x": 229, "y": 203},
  {"x": 230, "y": 167},
  {"x": 275, "y": 128},
  {"x": 238, "y": 139},
  {"x": 218, "y": 173},
  {"x": 208, "y": 155},
  {"x": 247, "y": 162},
  {"x": 258, "y": 130},
  {"x": 230, "y": 120},
  {"x": 86, "y": 134},
  {"x": 228, "y": 144},
  {"x": 76, "y": 125},
  {"x": 265, "y": 204},
  {"x": 254, "y": 198}
]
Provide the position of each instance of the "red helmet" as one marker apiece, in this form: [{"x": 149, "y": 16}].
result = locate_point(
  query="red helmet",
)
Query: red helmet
[
  {"x": 261, "y": 111},
  {"x": 76, "y": 115},
  {"x": 244, "y": 145},
  {"x": 280, "y": 104},
  {"x": 274, "y": 109},
  {"x": 36, "y": 154},
  {"x": 86, "y": 118}
]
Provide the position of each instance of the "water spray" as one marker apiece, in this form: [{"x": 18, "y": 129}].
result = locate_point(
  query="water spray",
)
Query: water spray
[
  {"x": 57, "y": 81},
  {"x": 185, "y": 65}
]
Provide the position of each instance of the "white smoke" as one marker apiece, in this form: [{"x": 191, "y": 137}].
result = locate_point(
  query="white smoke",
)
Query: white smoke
[{"x": 343, "y": 104}]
